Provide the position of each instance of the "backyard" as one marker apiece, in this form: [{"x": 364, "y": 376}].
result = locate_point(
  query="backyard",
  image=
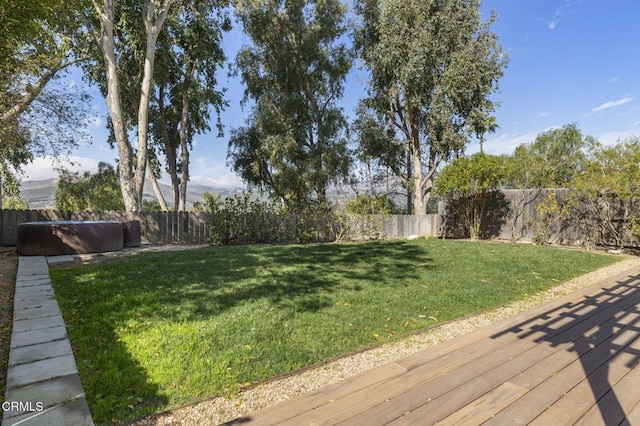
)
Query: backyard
[{"x": 157, "y": 330}]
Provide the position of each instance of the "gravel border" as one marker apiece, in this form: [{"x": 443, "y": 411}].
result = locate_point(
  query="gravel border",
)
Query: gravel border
[{"x": 219, "y": 409}]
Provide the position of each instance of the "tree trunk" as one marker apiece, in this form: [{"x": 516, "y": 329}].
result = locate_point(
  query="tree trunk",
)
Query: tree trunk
[
  {"x": 131, "y": 182},
  {"x": 184, "y": 148},
  {"x": 156, "y": 188},
  {"x": 114, "y": 105},
  {"x": 419, "y": 205},
  {"x": 169, "y": 150}
]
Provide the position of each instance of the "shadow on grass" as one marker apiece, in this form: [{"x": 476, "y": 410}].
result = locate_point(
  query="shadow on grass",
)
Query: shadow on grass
[
  {"x": 198, "y": 285},
  {"x": 100, "y": 353}
]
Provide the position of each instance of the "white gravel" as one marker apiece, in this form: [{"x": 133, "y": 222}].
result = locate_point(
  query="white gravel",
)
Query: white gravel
[{"x": 219, "y": 410}]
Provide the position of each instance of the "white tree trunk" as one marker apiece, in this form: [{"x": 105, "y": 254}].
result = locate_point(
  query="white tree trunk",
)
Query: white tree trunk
[
  {"x": 114, "y": 103},
  {"x": 131, "y": 181},
  {"x": 156, "y": 188}
]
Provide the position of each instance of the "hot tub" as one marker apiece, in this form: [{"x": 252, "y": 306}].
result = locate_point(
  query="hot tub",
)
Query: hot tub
[{"x": 69, "y": 237}]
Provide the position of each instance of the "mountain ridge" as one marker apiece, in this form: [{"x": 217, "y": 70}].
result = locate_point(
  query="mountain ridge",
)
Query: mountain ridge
[{"x": 41, "y": 194}]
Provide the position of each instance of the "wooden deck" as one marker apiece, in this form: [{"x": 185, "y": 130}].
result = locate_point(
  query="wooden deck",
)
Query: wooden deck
[{"x": 571, "y": 361}]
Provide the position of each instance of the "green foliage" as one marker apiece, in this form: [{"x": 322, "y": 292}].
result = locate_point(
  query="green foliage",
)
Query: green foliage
[
  {"x": 364, "y": 204},
  {"x": 159, "y": 330},
  {"x": 471, "y": 182},
  {"x": 244, "y": 219},
  {"x": 363, "y": 218},
  {"x": 433, "y": 66},
  {"x": 294, "y": 144},
  {"x": 553, "y": 160},
  {"x": 241, "y": 218},
  {"x": 149, "y": 206},
  {"x": 552, "y": 214},
  {"x": 37, "y": 116},
  {"x": 95, "y": 192},
  {"x": 14, "y": 202},
  {"x": 609, "y": 189}
]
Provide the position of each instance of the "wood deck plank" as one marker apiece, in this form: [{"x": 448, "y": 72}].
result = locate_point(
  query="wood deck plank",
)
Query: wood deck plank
[
  {"x": 393, "y": 400},
  {"x": 474, "y": 388},
  {"x": 622, "y": 396},
  {"x": 514, "y": 369},
  {"x": 482, "y": 409},
  {"x": 618, "y": 351},
  {"x": 633, "y": 417},
  {"x": 552, "y": 378},
  {"x": 328, "y": 395}
]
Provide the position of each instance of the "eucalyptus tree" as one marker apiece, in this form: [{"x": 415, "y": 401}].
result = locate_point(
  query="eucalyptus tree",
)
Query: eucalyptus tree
[
  {"x": 433, "y": 65},
  {"x": 294, "y": 143},
  {"x": 115, "y": 26},
  {"x": 158, "y": 76},
  {"x": 553, "y": 160},
  {"x": 189, "y": 56}
]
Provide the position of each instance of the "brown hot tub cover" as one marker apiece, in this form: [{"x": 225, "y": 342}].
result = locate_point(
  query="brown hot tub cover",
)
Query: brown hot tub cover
[{"x": 69, "y": 237}]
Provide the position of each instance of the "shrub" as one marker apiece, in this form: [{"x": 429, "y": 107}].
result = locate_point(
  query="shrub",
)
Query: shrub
[{"x": 470, "y": 183}]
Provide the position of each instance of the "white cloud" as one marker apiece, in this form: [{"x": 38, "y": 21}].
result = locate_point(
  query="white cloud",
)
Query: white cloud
[
  {"x": 553, "y": 25},
  {"x": 45, "y": 167},
  {"x": 613, "y": 80},
  {"x": 611, "y": 138},
  {"x": 543, "y": 114},
  {"x": 506, "y": 144},
  {"x": 223, "y": 181},
  {"x": 612, "y": 104}
]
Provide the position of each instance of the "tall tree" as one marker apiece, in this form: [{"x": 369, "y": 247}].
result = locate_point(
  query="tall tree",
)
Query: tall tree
[
  {"x": 554, "y": 160},
  {"x": 294, "y": 144},
  {"x": 189, "y": 55},
  {"x": 37, "y": 116},
  {"x": 110, "y": 24},
  {"x": 433, "y": 65}
]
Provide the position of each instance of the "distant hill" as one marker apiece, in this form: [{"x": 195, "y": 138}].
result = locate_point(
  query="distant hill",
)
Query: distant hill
[{"x": 41, "y": 194}]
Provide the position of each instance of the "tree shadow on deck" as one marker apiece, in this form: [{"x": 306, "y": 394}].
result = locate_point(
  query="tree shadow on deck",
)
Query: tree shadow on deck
[{"x": 603, "y": 329}]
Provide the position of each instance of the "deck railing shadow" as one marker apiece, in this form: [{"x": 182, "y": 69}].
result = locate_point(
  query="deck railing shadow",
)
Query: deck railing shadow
[{"x": 598, "y": 328}]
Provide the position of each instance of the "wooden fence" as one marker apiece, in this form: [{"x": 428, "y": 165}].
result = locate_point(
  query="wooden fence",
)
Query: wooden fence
[
  {"x": 513, "y": 216},
  {"x": 186, "y": 227}
]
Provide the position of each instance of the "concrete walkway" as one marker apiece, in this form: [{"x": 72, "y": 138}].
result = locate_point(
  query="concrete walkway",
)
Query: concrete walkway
[{"x": 43, "y": 386}]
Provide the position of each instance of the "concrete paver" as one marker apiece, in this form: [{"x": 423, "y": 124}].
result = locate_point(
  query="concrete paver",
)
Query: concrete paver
[
  {"x": 33, "y": 292},
  {"x": 40, "y": 370},
  {"x": 41, "y": 335},
  {"x": 44, "y": 311},
  {"x": 75, "y": 412},
  {"x": 37, "y": 323},
  {"x": 47, "y": 300},
  {"x": 43, "y": 386},
  {"x": 31, "y": 353}
]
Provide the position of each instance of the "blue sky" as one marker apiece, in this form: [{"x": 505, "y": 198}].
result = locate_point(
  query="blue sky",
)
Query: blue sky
[{"x": 571, "y": 61}]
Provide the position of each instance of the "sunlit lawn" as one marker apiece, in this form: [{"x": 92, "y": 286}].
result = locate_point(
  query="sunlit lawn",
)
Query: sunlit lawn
[{"x": 157, "y": 330}]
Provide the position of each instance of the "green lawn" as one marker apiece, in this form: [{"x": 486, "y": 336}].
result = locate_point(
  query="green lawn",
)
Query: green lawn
[{"x": 158, "y": 330}]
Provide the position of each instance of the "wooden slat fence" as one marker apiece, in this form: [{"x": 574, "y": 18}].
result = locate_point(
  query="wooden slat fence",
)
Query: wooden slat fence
[{"x": 514, "y": 216}]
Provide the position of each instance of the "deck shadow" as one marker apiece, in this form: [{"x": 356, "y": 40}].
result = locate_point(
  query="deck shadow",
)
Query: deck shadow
[{"x": 600, "y": 328}]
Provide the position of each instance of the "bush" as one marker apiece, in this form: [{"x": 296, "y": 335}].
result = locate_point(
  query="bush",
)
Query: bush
[{"x": 470, "y": 184}]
